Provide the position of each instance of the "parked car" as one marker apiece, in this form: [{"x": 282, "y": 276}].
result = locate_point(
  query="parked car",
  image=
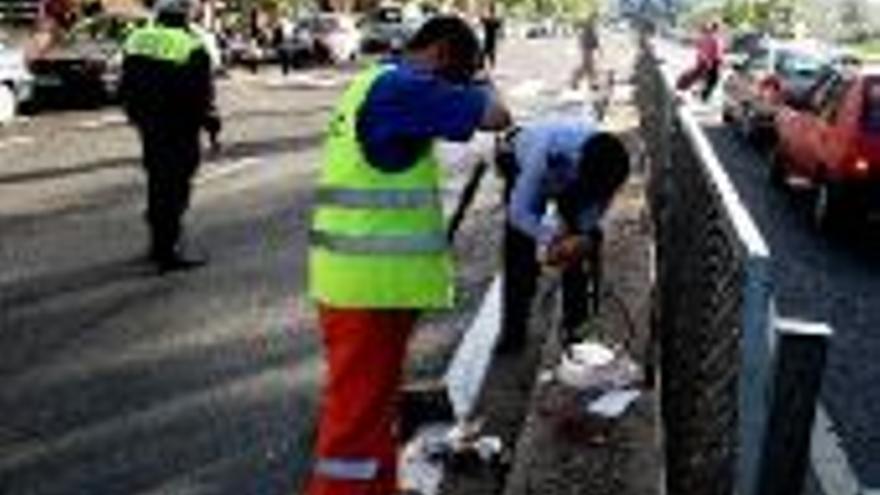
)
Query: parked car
[
  {"x": 829, "y": 141},
  {"x": 740, "y": 45},
  {"x": 386, "y": 29},
  {"x": 16, "y": 82},
  {"x": 87, "y": 63},
  {"x": 338, "y": 36},
  {"x": 770, "y": 74},
  {"x": 239, "y": 49},
  {"x": 211, "y": 42}
]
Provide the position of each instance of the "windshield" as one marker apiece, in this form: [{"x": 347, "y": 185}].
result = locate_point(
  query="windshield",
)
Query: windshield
[
  {"x": 388, "y": 15},
  {"x": 327, "y": 25},
  {"x": 759, "y": 60},
  {"x": 871, "y": 106},
  {"x": 795, "y": 63}
]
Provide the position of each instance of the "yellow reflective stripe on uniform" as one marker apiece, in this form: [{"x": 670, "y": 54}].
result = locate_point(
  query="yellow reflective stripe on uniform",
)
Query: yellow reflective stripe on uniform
[
  {"x": 159, "y": 43},
  {"x": 347, "y": 468},
  {"x": 378, "y": 198},
  {"x": 422, "y": 243}
]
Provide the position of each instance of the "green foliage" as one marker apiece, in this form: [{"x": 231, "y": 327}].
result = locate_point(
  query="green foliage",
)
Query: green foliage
[{"x": 572, "y": 9}]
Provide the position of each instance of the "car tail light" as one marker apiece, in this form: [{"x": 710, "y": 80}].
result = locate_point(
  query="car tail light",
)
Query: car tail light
[{"x": 862, "y": 166}]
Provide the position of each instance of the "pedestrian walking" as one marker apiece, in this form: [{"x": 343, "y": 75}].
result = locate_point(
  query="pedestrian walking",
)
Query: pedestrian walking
[
  {"x": 379, "y": 254},
  {"x": 707, "y": 67},
  {"x": 588, "y": 43},
  {"x": 492, "y": 26},
  {"x": 168, "y": 94},
  {"x": 709, "y": 54},
  {"x": 572, "y": 164},
  {"x": 283, "y": 41}
]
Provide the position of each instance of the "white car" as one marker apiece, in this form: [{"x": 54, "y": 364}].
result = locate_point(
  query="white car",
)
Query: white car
[
  {"x": 339, "y": 36},
  {"x": 211, "y": 44},
  {"x": 16, "y": 82}
]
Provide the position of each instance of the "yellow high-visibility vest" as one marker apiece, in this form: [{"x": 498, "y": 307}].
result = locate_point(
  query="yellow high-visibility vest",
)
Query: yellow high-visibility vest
[{"x": 377, "y": 238}]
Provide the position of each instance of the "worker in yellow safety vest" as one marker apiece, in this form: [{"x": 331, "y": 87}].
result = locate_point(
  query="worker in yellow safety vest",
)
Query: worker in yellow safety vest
[{"x": 379, "y": 254}]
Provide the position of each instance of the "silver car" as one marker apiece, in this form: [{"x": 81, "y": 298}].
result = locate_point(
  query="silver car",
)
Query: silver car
[{"x": 16, "y": 82}]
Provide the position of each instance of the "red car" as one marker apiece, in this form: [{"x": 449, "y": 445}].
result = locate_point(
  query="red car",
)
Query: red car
[{"x": 829, "y": 141}]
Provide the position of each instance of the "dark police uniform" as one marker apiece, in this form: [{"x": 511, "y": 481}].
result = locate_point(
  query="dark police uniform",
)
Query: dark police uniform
[{"x": 168, "y": 94}]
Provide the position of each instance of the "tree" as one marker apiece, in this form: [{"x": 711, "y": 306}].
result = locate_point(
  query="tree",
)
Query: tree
[{"x": 852, "y": 19}]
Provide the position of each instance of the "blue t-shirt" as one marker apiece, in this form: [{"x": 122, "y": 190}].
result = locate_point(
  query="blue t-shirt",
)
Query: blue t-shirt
[
  {"x": 548, "y": 152},
  {"x": 408, "y": 107}
]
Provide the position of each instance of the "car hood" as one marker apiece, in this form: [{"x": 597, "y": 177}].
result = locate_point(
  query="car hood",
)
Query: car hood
[{"x": 82, "y": 51}]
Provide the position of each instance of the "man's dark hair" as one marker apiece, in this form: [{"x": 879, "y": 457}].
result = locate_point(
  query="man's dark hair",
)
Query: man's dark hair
[
  {"x": 456, "y": 33},
  {"x": 172, "y": 19},
  {"x": 604, "y": 166}
]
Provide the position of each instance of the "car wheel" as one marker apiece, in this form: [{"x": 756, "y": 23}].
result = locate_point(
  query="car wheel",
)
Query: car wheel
[
  {"x": 777, "y": 169},
  {"x": 828, "y": 209},
  {"x": 7, "y": 104},
  {"x": 726, "y": 115}
]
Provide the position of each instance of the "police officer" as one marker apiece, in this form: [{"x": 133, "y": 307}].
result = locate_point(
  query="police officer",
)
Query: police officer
[
  {"x": 379, "y": 253},
  {"x": 168, "y": 94}
]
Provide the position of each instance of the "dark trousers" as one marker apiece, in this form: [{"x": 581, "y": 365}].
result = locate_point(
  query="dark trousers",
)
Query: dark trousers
[
  {"x": 285, "y": 57},
  {"x": 171, "y": 158},
  {"x": 710, "y": 81},
  {"x": 521, "y": 271}
]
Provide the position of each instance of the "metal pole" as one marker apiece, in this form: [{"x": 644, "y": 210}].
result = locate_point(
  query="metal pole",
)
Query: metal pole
[{"x": 797, "y": 378}]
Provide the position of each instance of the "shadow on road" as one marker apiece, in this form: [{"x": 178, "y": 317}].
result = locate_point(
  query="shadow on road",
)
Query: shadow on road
[{"x": 237, "y": 150}]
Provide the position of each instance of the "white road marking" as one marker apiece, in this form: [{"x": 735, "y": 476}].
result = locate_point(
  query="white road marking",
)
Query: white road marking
[
  {"x": 314, "y": 80},
  {"x": 102, "y": 121},
  {"x": 215, "y": 170},
  {"x": 470, "y": 364},
  {"x": 829, "y": 460},
  {"x": 529, "y": 88},
  {"x": 14, "y": 141}
]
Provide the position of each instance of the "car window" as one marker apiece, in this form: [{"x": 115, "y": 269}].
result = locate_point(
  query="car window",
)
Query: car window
[
  {"x": 871, "y": 106},
  {"x": 817, "y": 97},
  {"x": 792, "y": 63},
  {"x": 836, "y": 96},
  {"x": 745, "y": 43},
  {"x": 389, "y": 15},
  {"x": 327, "y": 25},
  {"x": 759, "y": 60},
  {"x": 102, "y": 29}
]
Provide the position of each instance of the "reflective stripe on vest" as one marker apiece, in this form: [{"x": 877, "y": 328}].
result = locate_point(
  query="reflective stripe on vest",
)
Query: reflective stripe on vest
[
  {"x": 378, "y": 198},
  {"x": 347, "y": 468},
  {"x": 430, "y": 243}
]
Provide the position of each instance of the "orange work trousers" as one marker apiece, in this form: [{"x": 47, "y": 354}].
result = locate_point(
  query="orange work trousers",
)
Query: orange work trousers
[{"x": 356, "y": 451}]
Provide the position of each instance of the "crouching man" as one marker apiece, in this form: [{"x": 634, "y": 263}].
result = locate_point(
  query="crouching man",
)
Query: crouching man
[{"x": 579, "y": 168}]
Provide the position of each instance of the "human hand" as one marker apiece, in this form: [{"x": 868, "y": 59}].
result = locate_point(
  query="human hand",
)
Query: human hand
[{"x": 567, "y": 250}]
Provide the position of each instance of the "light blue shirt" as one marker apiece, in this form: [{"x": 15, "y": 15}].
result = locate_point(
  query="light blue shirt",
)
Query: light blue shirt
[{"x": 548, "y": 152}]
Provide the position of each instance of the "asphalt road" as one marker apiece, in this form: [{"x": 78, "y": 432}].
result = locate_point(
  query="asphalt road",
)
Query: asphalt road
[
  {"x": 822, "y": 279},
  {"x": 114, "y": 380},
  {"x": 816, "y": 278}
]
